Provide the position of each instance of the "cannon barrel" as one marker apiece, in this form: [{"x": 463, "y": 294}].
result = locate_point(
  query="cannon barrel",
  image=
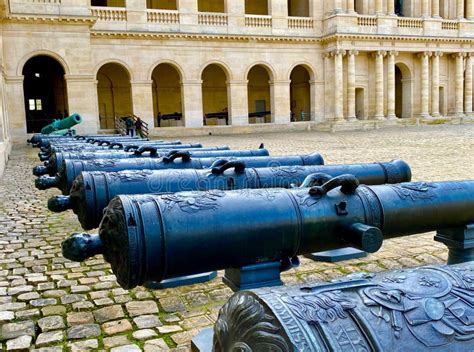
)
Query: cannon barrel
[
  {"x": 423, "y": 309},
  {"x": 65, "y": 123},
  {"x": 101, "y": 143},
  {"x": 104, "y": 148},
  {"x": 105, "y": 144},
  {"x": 88, "y": 202},
  {"x": 155, "y": 237},
  {"x": 55, "y": 161},
  {"x": 45, "y": 142},
  {"x": 70, "y": 169}
]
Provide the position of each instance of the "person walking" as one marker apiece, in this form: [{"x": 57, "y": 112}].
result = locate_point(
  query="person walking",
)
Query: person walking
[
  {"x": 138, "y": 127},
  {"x": 129, "y": 125}
]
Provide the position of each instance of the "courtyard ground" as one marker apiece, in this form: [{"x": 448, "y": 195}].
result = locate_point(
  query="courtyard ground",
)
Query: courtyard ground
[{"x": 52, "y": 304}]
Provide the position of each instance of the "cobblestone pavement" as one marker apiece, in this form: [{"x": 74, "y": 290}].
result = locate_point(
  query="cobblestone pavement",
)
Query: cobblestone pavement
[{"x": 52, "y": 304}]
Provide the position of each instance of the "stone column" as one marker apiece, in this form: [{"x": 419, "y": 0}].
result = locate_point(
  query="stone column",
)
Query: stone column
[
  {"x": 351, "y": 93},
  {"x": 435, "y": 84},
  {"x": 425, "y": 84},
  {"x": 142, "y": 101},
  {"x": 238, "y": 103},
  {"x": 351, "y": 7},
  {"x": 379, "y": 7},
  {"x": 391, "y": 85},
  {"x": 469, "y": 9},
  {"x": 425, "y": 8},
  {"x": 280, "y": 101},
  {"x": 460, "y": 9},
  {"x": 85, "y": 104},
  {"x": 338, "y": 85},
  {"x": 337, "y": 6},
  {"x": 191, "y": 92},
  {"x": 468, "y": 86},
  {"x": 379, "y": 86},
  {"x": 16, "y": 107},
  {"x": 435, "y": 8},
  {"x": 459, "y": 91},
  {"x": 391, "y": 7}
]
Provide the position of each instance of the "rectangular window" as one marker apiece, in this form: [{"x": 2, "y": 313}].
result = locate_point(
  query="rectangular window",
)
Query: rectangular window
[
  {"x": 39, "y": 105},
  {"x": 31, "y": 104}
]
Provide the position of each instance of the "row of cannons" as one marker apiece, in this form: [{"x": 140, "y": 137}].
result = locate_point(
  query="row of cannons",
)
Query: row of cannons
[{"x": 170, "y": 214}]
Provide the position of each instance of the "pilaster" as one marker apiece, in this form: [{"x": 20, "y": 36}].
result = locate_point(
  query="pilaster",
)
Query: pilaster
[
  {"x": 391, "y": 85},
  {"x": 425, "y": 84},
  {"x": 142, "y": 100},
  {"x": 192, "y": 103},
  {"x": 280, "y": 101},
  {"x": 238, "y": 102}
]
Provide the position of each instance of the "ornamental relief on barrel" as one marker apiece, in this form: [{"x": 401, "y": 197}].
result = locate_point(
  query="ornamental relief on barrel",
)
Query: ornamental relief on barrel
[
  {"x": 192, "y": 202},
  {"x": 415, "y": 191}
]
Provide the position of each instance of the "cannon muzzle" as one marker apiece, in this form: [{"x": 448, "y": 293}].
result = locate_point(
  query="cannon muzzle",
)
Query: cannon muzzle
[
  {"x": 40, "y": 170},
  {"x": 46, "y": 182},
  {"x": 58, "y": 204},
  {"x": 81, "y": 246}
]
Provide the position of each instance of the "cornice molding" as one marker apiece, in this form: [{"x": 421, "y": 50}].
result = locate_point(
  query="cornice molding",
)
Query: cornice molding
[
  {"x": 40, "y": 19},
  {"x": 200, "y": 36}
]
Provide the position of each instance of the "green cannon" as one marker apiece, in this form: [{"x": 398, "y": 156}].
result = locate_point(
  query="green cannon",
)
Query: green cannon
[{"x": 63, "y": 124}]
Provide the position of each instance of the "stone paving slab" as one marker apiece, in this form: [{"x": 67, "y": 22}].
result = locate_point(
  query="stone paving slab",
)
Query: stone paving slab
[{"x": 48, "y": 303}]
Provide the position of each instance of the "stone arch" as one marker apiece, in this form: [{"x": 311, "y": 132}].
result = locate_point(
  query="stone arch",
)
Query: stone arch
[
  {"x": 52, "y": 54},
  {"x": 270, "y": 70},
  {"x": 221, "y": 64},
  {"x": 307, "y": 66},
  {"x": 173, "y": 63},
  {"x": 45, "y": 91},
  {"x": 403, "y": 90},
  {"x": 114, "y": 93},
  {"x": 122, "y": 63}
]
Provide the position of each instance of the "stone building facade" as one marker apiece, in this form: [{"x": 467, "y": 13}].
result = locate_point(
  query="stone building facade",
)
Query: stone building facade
[{"x": 270, "y": 64}]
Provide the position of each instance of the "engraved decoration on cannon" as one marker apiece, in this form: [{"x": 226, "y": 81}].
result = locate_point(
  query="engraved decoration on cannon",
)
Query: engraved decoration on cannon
[{"x": 422, "y": 309}]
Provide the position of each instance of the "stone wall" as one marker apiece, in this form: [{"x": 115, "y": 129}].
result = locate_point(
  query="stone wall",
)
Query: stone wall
[{"x": 397, "y": 66}]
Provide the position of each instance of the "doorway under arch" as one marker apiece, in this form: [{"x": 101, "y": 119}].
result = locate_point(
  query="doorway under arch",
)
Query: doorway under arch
[
  {"x": 442, "y": 99},
  {"x": 403, "y": 91},
  {"x": 258, "y": 95},
  {"x": 300, "y": 94},
  {"x": 114, "y": 92},
  {"x": 45, "y": 92},
  {"x": 214, "y": 95},
  {"x": 360, "y": 104},
  {"x": 167, "y": 98}
]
